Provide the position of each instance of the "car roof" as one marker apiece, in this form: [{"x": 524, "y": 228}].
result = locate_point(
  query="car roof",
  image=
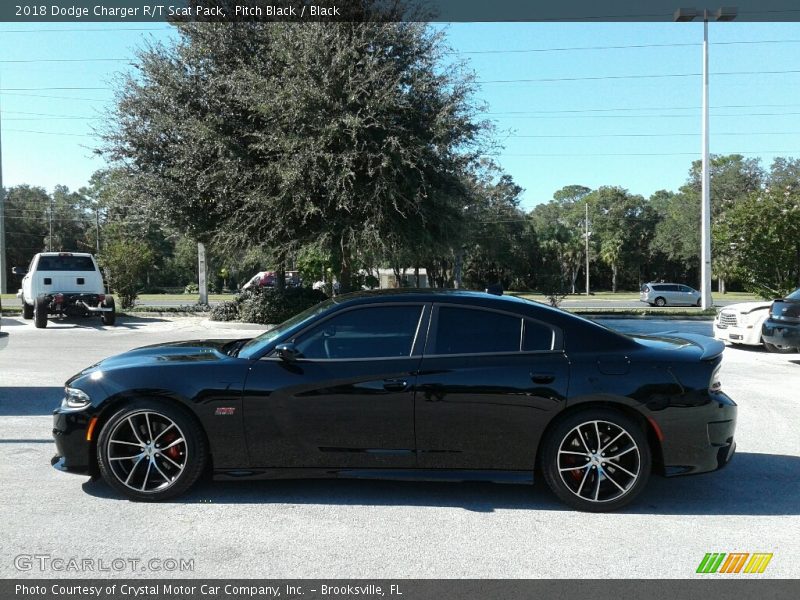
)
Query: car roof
[
  {"x": 469, "y": 297},
  {"x": 64, "y": 254}
]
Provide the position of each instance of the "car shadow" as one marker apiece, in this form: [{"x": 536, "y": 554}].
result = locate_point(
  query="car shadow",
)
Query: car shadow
[
  {"x": 29, "y": 401},
  {"x": 122, "y": 322},
  {"x": 753, "y": 484}
]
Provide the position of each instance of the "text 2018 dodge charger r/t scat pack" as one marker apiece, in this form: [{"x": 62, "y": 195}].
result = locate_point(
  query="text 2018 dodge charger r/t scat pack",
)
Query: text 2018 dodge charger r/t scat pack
[{"x": 417, "y": 384}]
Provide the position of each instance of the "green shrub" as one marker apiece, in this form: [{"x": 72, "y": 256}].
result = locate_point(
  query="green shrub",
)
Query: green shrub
[
  {"x": 267, "y": 306},
  {"x": 191, "y": 288}
]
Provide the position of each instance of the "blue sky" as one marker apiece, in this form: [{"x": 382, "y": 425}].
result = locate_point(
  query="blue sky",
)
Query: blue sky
[{"x": 611, "y": 129}]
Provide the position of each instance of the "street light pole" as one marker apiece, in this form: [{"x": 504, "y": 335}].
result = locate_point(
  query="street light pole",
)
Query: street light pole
[
  {"x": 721, "y": 14},
  {"x": 705, "y": 207}
]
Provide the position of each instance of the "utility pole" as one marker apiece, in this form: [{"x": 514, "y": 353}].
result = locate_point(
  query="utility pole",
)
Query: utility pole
[
  {"x": 97, "y": 228},
  {"x": 3, "y": 267},
  {"x": 50, "y": 235},
  {"x": 586, "y": 242},
  {"x": 201, "y": 273}
]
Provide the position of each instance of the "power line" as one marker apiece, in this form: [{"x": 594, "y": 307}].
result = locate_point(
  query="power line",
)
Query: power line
[
  {"x": 42, "y": 89},
  {"x": 2, "y": 93},
  {"x": 594, "y": 154},
  {"x": 62, "y": 60},
  {"x": 656, "y": 76},
  {"x": 628, "y": 108},
  {"x": 653, "y": 116},
  {"x": 87, "y": 30},
  {"x": 604, "y": 135},
  {"x": 620, "y": 47},
  {"x": 49, "y": 132}
]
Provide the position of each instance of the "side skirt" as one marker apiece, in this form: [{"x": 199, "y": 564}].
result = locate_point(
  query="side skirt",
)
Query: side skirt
[{"x": 460, "y": 475}]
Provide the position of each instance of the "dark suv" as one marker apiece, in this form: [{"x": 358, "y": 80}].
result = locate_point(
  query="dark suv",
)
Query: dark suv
[{"x": 782, "y": 327}]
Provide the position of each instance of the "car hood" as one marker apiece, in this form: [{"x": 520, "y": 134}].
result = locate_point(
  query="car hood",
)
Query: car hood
[
  {"x": 175, "y": 352},
  {"x": 746, "y": 307},
  {"x": 684, "y": 345}
]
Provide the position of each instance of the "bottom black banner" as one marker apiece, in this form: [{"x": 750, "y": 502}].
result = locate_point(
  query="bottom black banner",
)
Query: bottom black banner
[{"x": 399, "y": 589}]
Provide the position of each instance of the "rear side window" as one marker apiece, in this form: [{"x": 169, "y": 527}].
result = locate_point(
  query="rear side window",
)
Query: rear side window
[
  {"x": 536, "y": 337},
  {"x": 475, "y": 331},
  {"x": 659, "y": 288},
  {"x": 65, "y": 263}
]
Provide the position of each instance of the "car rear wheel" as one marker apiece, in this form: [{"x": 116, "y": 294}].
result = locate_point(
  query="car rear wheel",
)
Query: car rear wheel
[
  {"x": 151, "y": 451},
  {"x": 109, "y": 318},
  {"x": 27, "y": 311},
  {"x": 596, "y": 460},
  {"x": 40, "y": 313},
  {"x": 779, "y": 349},
  {"x": 660, "y": 301},
  {"x": 699, "y": 302}
]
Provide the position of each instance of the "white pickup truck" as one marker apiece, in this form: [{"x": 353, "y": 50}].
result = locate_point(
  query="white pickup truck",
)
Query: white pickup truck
[{"x": 66, "y": 284}]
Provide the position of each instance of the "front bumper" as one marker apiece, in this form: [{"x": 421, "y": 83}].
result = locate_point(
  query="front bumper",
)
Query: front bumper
[
  {"x": 781, "y": 334},
  {"x": 73, "y": 449},
  {"x": 698, "y": 439},
  {"x": 737, "y": 335}
]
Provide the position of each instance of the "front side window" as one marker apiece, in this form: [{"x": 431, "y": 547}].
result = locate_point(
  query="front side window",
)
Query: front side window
[
  {"x": 475, "y": 331},
  {"x": 369, "y": 332}
]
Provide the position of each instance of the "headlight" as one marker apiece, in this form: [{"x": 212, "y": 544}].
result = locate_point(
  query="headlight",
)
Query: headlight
[{"x": 74, "y": 399}]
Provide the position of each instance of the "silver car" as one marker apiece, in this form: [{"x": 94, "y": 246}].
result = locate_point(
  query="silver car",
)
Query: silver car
[{"x": 673, "y": 294}]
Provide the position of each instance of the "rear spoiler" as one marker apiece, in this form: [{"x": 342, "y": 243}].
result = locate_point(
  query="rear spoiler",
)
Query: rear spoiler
[{"x": 711, "y": 348}]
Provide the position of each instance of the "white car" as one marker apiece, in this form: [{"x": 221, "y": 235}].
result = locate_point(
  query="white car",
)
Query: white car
[{"x": 741, "y": 323}]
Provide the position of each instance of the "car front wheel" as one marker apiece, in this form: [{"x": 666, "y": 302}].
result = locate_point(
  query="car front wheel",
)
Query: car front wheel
[
  {"x": 27, "y": 311},
  {"x": 596, "y": 460},
  {"x": 151, "y": 451},
  {"x": 775, "y": 348}
]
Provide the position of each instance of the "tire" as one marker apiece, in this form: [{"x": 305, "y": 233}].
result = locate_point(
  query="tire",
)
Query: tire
[
  {"x": 27, "y": 311},
  {"x": 109, "y": 318},
  {"x": 778, "y": 349},
  {"x": 40, "y": 312},
  {"x": 151, "y": 474},
  {"x": 699, "y": 302},
  {"x": 578, "y": 483},
  {"x": 660, "y": 301}
]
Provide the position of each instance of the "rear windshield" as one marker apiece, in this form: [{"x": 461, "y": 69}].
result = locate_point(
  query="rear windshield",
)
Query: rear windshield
[
  {"x": 65, "y": 263},
  {"x": 795, "y": 295}
]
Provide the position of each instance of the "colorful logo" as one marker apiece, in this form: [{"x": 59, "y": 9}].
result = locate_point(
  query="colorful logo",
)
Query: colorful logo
[{"x": 735, "y": 562}]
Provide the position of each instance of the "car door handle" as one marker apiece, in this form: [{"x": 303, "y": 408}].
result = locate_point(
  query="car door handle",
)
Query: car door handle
[
  {"x": 395, "y": 385},
  {"x": 543, "y": 377}
]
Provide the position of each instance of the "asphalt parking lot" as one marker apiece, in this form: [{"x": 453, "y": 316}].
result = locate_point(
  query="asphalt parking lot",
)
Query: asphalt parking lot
[{"x": 362, "y": 529}]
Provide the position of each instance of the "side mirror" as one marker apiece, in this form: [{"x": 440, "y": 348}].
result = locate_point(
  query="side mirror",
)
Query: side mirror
[
  {"x": 19, "y": 271},
  {"x": 288, "y": 352}
]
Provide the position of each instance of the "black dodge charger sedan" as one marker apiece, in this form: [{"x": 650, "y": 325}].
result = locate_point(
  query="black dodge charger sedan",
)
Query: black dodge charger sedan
[{"x": 417, "y": 384}]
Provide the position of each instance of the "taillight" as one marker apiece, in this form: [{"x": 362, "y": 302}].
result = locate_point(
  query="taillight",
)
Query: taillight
[{"x": 715, "y": 384}]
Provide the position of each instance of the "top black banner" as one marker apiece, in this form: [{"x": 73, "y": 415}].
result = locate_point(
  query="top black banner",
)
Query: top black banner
[{"x": 231, "y": 11}]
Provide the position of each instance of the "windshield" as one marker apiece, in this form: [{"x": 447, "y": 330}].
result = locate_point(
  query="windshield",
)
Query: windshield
[{"x": 255, "y": 346}]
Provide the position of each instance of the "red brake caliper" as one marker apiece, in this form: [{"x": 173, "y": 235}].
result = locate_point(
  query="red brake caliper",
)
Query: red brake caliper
[{"x": 174, "y": 452}]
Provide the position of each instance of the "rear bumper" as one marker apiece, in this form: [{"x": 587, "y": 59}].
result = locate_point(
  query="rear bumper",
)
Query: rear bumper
[
  {"x": 781, "y": 334},
  {"x": 698, "y": 439}
]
